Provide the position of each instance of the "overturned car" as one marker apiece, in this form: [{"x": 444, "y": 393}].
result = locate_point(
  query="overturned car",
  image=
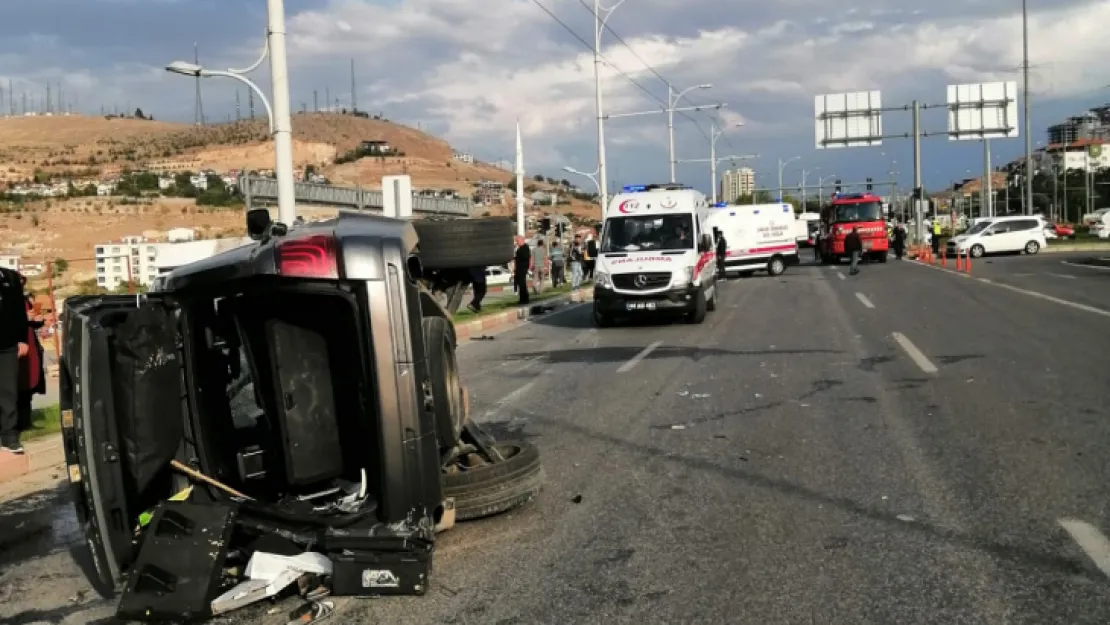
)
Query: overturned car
[{"x": 298, "y": 395}]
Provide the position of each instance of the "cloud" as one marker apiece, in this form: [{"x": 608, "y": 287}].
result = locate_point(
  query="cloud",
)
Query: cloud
[{"x": 469, "y": 70}]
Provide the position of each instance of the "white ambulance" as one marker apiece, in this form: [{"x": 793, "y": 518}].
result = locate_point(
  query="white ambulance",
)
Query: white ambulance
[
  {"x": 758, "y": 236},
  {"x": 656, "y": 255}
]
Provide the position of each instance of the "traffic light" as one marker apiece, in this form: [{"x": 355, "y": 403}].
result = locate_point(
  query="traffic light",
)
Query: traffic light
[
  {"x": 869, "y": 184},
  {"x": 836, "y": 189},
  {"x": 545, "y": 225},
  {"x": 917, "y": 194}
]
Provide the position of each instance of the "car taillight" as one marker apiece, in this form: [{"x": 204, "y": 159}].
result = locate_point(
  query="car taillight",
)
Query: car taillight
[{"x": 308, "y": 257}]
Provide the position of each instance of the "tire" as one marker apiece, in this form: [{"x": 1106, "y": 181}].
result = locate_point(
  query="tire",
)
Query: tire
[
  {"x": 882, "y": 256},
  {"x": 1032, "y": 247},
  {"x": 701, "y": 306},
  {"x": 711, "y": 304},
  {"x": 601, "y": 319},
  {"x": 443, "y": 373},
  {"x": 977, "y": 251},
  {"x": 491, "y": 489},
  {"x": 465, "y": 243},
  {"x": 776, "y": 266}
]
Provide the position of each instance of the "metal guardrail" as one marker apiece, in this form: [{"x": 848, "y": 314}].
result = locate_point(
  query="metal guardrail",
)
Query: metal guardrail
[{"x": 256, "y": 188}]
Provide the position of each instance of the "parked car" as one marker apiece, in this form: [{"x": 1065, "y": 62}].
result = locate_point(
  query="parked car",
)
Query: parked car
[
  {"x": 1000, "y": 234},
  {"x": 306, "y": 387},
  {"x": 1058, "y": 231}
]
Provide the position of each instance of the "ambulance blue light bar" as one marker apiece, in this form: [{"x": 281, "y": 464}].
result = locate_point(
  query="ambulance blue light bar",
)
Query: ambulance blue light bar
[
  {"x": 634, "y": 188},
  {"x": 720, "y": 205}
]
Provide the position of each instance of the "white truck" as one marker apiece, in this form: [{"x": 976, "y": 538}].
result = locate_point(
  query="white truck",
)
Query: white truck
[{"x": 656, "y": 255}]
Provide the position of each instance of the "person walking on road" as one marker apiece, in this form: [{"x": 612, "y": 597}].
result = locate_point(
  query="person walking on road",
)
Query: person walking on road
[
  {"x": 590, "y": 258},
  {"x": 558, "y": 265},
  {"x": 854, "y": 246},
  {"x": 541, "y": 267},
  {"x": 899, "y": 236},
  {"x": 522, "y": 261},
  {"x": 478, "y": 288},
  {"x": 13, "y": 347},
  {"x": 722, "y": 253},
  {"x": 577, "y": 259}
]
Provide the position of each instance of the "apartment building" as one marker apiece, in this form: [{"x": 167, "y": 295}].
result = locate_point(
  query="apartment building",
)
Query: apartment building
[
  {"x": 142, "y": 261},
  {"x": 9, "y": 259},
  {"x": 736, "y": 183}
]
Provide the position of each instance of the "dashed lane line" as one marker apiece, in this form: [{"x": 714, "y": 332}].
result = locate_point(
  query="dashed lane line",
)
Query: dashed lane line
[{"x": 915, "y": 354}]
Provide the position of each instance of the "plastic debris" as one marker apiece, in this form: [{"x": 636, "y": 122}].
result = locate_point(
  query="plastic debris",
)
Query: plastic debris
[
  {"x": 678, "y": 427},
  {"x": 701, "y": 395},
  {"x": 905, "y": 518},
  {"x": 311, "y": 612}
]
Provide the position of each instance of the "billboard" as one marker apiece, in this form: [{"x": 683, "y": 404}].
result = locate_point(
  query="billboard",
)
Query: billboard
[
  {"x": 847, "y": 120},
  {"x": 982, "y": 111}
]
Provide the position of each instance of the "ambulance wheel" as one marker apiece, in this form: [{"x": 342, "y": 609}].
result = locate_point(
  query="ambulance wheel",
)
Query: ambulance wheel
[
  {"x": 701, "y": 306},
  {"x": 601, "y": 319},
  {"x": 775, "y": 266}
]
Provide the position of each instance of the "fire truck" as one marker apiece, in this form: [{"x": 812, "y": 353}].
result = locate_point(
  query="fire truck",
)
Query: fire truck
[{"x": 863, "y": 211}]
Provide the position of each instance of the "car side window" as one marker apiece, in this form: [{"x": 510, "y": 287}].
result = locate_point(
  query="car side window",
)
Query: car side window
[{"x": 1000, "y": 228}]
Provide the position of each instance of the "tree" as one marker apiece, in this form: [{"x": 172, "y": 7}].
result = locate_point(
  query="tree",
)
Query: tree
[
  {"x": 139, "y": 114},
  {"x": 537, "y": 178},
  {"x": 565, "y": 182},
  {"x": 60, "y": 266}
]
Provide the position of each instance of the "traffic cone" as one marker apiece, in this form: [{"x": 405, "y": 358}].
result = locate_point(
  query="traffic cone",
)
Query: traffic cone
[
  {"x": 944, "y": 258},
  {"x": 967, "y": 263},
  {"x": 959, "y": 260}
]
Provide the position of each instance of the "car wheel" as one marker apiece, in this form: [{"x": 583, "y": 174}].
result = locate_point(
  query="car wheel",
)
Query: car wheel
[
  {"x": 464, "y": 243},
  {"x": 711, "y": 305},
  {"x": 1032, "y": 247},
  {"x": 883, "y": 256},
  {"x": 601, "y": 319},
  {"x": 775, "y": 266},
  {"x": 977, "y": 251},
  {"x": 482, "y": 488},
  {"x": 443, "y": 375},
  {"x": 700, "y": 307}
]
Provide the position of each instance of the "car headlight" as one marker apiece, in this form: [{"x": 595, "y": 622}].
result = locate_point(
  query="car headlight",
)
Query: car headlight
[
  {"x": 683, "y": 276},
  {"x": 602, "y": 280}
]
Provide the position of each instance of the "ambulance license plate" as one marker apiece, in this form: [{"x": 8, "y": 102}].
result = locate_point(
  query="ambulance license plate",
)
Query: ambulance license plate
[
  {"x": 868, "y": 245},
  {"x": 639, "y": 305}
]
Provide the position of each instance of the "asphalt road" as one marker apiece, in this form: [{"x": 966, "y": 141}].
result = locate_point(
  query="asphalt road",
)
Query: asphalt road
[{"x": 903, "y": 446}]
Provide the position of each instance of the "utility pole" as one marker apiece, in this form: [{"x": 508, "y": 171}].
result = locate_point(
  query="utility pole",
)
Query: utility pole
[
  {"x": 238, "y": 111},
  {"x": 315, "y": 101},
  {"x": 672, "y": 101},
  {"x": 283, "y": 123},
  {"x": 782, "y": 165},
  {"x": 198, "y": 106},
  {"x": 602, "y": 169},
  {"x": 49, "y": 104},
  {"x": 250, "y": 103},
  {"x": 918, "y": 192},
  {"x": 327, "y": 97},
  {"x": 1025, "y": 89},
  {"x": 987, "y": 201},
  {"x": 354, "y": 96}
]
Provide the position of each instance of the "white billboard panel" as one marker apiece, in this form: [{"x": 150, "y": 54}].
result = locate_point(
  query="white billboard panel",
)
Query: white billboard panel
[
  {"x": 846, "y": 120},
  {"x": 982, "y": 111}
]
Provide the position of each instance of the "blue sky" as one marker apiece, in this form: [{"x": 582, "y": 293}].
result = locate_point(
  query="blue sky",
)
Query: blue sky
[{"x": 467, "y": 70}]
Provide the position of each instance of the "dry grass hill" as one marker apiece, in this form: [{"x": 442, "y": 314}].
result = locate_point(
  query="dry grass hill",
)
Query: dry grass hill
[{"x": 89, "y": 148}]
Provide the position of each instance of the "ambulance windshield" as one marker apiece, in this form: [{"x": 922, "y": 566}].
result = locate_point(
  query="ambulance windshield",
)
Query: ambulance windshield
[{"x": 648, "y": 232}]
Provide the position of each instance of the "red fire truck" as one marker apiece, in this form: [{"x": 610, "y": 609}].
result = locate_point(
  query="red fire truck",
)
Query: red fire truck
[{"x": 863, "y": 211}]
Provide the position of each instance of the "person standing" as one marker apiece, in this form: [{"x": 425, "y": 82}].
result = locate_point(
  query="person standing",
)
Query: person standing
[
  {"x": 577, "y": 259},
  {"x": 558, "y": 265},
  {"x": 722, "y": 253},
  {"x": 590, "y": 258},
  {"x": 478, "y": 288},
  {"x": 32, "y": 376},
  {"x": 13, "y": 347},
  {"x": 854, "y": 246},
  {"x": 899, "y": 242},
  {"x": 541, "y": 267},
  {"x": 936, "y": 236},
  {"x": 522, "y": 262}
]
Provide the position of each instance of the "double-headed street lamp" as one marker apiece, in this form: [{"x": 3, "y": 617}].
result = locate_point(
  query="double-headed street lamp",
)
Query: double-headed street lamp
[
  {"x": 599, "y": 26},
  {"x": 713, "y": 159},
  {"x": 281, "y": 123},
  {"x": 593, "y": 177},
  {"x": 782, "y": 165},
  {"x": 672, "y": 108}
]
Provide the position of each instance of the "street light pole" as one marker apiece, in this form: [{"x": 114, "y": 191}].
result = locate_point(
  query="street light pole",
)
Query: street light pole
[
  {"x": 715, "y": 134},
  {"x": 592, "y": 176},
  {"x": 283, "y": 123},
  {"x": 599, "y": 25},
  {"x": 782, "y": 165},
  {"x": 1025, "y": 89},
  {"x": 672, "y": 102},
  {"x": 803, "y": 189}
]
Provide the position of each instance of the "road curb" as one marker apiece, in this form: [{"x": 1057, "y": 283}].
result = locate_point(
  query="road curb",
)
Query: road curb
[
  {"x": 516, "y": 316},
  {"x": 39, "y": 454}
]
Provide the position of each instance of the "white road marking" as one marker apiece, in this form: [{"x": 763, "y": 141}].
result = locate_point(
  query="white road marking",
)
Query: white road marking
[
  {"x": 1061, "y": 275},
  {"x": 863, "y": 300},
  {"x": 915, "y": 354},
  {"x": 1091, "y": 541},
  {"x": 1047, "y": 298},
  {"x": 840, "y": 275},
  {"x": 635, "y": 360},
  {"x": 1064, "y": 262}
]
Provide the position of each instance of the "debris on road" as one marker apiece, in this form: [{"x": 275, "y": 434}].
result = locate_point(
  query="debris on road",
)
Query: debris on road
[{"x": 576, "y": 499}]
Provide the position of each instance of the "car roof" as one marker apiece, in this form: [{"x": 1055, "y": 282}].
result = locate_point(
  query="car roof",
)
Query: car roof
[{"x": 258, "y": 259}]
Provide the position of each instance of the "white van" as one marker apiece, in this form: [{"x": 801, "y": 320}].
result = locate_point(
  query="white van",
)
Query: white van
[
  {"x": 759, "y": 236},
  {"x": 999, "y": 235},
  {"x": 656, "y": 254},
  {"x": 806, "y": 228},
  {"x": 1099, "y": 224}
]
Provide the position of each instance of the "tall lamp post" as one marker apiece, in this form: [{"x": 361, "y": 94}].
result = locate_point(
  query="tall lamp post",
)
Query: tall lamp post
[
  {"x": 821, "y": 189},
  {"x": 782, "y": 165},
  {"x": 593, "y": 178},
  {"x": 599, "y": 26},
  {"x": 281, "y": 123}
]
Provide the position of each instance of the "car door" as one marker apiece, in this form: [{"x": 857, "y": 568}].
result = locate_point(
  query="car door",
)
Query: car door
[
  {"x": 120, "y": 396},
  {"x": 994, "y": 238}
]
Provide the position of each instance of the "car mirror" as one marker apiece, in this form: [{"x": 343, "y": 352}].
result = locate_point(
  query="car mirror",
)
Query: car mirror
[{"x": 258, "y": 223}]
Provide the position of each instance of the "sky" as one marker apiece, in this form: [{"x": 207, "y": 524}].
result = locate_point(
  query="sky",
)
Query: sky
[{"x": 468, "y": 71}]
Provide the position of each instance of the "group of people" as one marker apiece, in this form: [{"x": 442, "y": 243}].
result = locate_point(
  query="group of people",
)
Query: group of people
[
  {"x": 21, "y": 359},
  {"x": 551, "y": 263}
]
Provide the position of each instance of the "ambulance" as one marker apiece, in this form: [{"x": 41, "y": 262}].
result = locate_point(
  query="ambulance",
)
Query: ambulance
[
  {"x": 760, "y": 237},
  {"x": 656, "y": 255}
]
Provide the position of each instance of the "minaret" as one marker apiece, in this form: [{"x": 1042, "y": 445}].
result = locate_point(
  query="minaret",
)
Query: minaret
[{"x": 519, "y": 182}]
